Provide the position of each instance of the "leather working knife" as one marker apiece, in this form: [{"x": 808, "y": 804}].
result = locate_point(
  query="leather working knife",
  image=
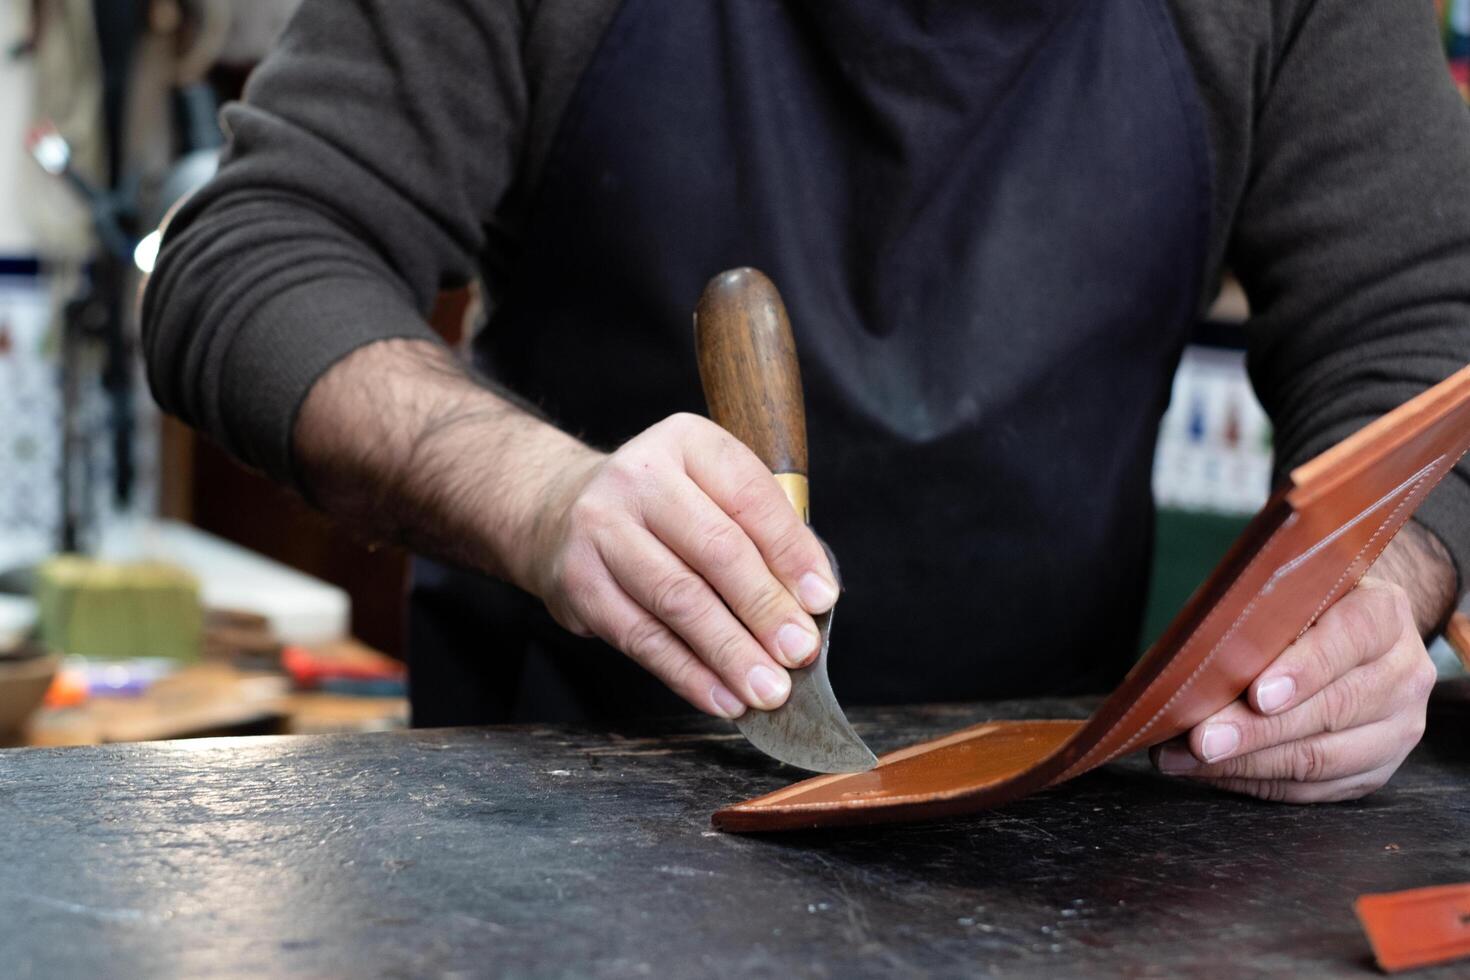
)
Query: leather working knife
[{"x": 747, "y": 364}]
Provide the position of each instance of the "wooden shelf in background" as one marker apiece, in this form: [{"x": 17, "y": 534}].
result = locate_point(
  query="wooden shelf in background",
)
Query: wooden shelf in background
[{"x": 212, "y": 699}]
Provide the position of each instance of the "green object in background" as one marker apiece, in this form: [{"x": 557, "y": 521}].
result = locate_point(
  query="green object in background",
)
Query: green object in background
[
  {"x": 104, "y": 609},
  {"x": 1187, "y": 547}
]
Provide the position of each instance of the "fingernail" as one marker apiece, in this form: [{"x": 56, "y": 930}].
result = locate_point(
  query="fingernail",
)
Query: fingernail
[
  {"x": 1176, "y": 758},
  {"x": 728, "y": 704},
  {"x": 1274, "y": 694},
  {"x": 816, "y": 593},
  {"x": 768, "y": 686},
  {"x": 1219, "y": 741},
  {"x": 796, "y": 644}
]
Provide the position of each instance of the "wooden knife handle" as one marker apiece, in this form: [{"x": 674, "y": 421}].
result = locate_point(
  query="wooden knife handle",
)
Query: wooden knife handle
[{"x": 747, "y": 364}]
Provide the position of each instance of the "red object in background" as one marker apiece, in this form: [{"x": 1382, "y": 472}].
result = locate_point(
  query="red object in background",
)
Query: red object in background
[
  {"x": 1418, "y": 927},
  {"x": 310, "y": 669},
  {"x": 1460, "y": 72},
  {"x": 68, "y": 689}
]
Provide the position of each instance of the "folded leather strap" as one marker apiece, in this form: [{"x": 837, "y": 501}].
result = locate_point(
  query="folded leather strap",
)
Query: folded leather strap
[
  {"x": 1417, "y": 928},
  {"x": 1309, "y": 546}
]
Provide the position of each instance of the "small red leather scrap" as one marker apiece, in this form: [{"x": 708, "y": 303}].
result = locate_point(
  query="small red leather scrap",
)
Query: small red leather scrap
[{"x": 1417, "y": 928}]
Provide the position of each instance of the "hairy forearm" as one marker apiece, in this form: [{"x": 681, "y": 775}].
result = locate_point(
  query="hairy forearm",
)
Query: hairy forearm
[
  {"x": 401, "y": 442},
  {"x": 1418, "y": 562}
]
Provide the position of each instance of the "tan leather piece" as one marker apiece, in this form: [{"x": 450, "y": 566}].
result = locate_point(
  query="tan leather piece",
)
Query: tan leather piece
[
  {"x": 1307, "y": 548},
  {"x": 1417, "y": 928}
]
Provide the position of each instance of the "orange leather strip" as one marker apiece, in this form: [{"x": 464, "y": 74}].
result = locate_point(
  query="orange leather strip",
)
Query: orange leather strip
[
  {"x": 1417, "y": 928},
  {"x": 1308, "y": 547},
  {"x": 1458, "y": 633}
]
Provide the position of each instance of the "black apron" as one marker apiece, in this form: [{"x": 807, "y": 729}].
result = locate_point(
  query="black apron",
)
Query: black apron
[{"x": 989, "y": 223}]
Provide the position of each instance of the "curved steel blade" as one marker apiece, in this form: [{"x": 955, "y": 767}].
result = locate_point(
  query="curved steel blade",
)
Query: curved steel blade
[{"x": 810, "y": 730}]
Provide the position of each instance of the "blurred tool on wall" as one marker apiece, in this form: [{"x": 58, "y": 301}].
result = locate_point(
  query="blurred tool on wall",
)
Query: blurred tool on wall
[
  {"x": 123, "y": 123},
  {"x": 108, "y": 118}
]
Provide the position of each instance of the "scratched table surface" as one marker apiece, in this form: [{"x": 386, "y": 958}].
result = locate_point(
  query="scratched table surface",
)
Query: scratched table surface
[{"x": 552, "y": 852}]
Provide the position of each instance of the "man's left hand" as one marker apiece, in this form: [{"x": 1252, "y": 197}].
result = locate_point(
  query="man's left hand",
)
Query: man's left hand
[{"x": 1333, "y": 717}]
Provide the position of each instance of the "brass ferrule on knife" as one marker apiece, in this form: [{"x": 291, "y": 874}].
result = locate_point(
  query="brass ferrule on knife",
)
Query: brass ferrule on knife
[{"x": 798, "y": 491}]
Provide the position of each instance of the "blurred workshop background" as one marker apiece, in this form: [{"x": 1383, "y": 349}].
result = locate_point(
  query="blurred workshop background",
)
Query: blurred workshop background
[{"x": 150, "y": 587}]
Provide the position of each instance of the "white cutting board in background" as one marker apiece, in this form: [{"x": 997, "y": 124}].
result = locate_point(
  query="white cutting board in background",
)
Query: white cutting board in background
[{"x": 301, "y": 609}]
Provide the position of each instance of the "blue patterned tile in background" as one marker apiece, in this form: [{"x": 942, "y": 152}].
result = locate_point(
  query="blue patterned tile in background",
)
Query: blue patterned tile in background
[{"x": 30, "y": 425}]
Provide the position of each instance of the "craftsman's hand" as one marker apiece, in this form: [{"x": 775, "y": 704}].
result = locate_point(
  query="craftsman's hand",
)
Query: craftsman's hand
[
  {"x": 681, "y": 550},
  {"x": 1334, "y": 716}
]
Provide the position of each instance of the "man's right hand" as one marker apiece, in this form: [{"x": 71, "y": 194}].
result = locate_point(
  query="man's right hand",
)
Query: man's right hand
[{"x": 681, "y": 550}]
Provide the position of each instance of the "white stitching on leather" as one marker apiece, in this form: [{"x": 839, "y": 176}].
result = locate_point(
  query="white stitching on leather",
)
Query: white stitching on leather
[
  {"x": 1133, "y": 740},
  {"x": 1239, "y": 581},
  {"x": 1408, "y": 486},
  {"x": 1327, "y": 599}
]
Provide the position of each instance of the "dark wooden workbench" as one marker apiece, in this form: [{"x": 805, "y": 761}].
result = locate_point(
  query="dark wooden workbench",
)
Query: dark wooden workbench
[{"x": 554, "y": 853}]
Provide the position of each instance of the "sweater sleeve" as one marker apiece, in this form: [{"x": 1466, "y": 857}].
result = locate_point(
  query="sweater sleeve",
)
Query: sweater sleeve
[
  {"x": 363, "y": 173},
  {"x": 1353, "y": 236}
]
